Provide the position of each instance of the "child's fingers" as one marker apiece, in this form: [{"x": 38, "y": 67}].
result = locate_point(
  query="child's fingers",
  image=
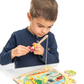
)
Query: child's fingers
[
  {"x": 24, "y": 49},
  {"x": 28, "y": 48},
  {"x": 37, "y": 49},
  {"x": 35, "y": 52},
  {"x": 23, "y": 53},
  {"x": 21, "y": 50},
  {"x": 38, "y": 46},
  {"x": 34, "y": 43}
]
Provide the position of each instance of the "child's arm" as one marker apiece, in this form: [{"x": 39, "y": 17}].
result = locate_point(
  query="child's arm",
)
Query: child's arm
[
  {"x": 19, "y": 51},
  {"x": 11, "y": 50},
  {"x": 52, "y": 54}
]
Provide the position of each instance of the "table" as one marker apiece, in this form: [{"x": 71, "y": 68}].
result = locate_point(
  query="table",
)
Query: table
[{"x": 6, "y": 76}]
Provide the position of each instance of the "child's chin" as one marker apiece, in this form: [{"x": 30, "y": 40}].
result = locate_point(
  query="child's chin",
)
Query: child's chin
[{"x": 40, "y": 36}]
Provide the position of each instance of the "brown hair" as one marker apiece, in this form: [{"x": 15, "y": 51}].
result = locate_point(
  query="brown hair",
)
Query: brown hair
[{"x": 47, "y": 9}]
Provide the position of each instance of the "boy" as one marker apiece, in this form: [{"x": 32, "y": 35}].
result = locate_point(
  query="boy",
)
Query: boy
[{"x": 42, "y": 15}]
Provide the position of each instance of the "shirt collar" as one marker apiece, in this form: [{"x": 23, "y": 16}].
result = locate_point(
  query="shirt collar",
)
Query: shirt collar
[{"x": 34, "y": 36}]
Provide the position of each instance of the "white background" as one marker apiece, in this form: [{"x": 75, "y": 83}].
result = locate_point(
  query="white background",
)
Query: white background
[{"x": 68, "y": 29}]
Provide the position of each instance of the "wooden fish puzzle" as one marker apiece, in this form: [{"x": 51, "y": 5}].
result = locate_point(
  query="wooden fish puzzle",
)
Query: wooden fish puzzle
[{"x": 44, "y": 75}]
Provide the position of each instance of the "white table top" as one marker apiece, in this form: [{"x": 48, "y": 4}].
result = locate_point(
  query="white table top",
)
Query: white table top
[{"x": 7, "y": 75}]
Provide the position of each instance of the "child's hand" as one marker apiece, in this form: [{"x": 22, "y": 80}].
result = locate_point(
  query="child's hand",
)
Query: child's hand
[
  {"x": 39, "y": 50},
  {"x": 19, "y": 51}
]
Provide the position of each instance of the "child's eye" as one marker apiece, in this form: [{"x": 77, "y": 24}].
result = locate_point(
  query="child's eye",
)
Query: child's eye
[
  {"x": 39, "y": 26},
  {"x": 49, "y": 27}
]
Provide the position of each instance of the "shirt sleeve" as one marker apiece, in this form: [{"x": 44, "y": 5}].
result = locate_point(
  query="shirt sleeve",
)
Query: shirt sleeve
[
  {"x": 5, "y": 55},
  {"x": 52, "y": 54}
]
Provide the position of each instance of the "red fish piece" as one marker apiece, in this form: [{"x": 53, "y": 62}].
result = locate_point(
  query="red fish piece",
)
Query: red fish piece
[
  {"x": 59, "y": 78},
  {"x": 31, "y": 49}
]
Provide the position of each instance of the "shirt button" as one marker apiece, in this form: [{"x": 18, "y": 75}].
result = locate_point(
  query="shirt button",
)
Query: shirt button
[{"x": 37, "y": 40}]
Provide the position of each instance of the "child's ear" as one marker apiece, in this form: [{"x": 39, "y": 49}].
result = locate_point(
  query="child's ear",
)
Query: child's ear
[{"x": 29, "y": 16}]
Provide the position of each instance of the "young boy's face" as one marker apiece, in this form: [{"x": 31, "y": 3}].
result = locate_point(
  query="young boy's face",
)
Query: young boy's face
[{"x": 39, "y": 26}]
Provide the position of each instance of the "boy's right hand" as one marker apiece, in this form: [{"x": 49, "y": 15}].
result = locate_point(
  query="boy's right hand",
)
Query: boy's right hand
[{"x": 19, "y": 51}]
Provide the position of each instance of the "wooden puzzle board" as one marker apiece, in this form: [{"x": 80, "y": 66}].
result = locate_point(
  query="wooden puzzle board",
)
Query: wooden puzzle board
[{"x": 44, "y": 75}]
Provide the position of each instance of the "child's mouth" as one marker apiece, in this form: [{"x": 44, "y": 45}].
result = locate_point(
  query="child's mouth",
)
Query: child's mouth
[{"x": 41, "y": 34}]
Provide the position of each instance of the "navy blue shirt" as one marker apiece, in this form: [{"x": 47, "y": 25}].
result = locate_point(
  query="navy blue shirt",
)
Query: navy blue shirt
[{"x": 26, "y": 38}]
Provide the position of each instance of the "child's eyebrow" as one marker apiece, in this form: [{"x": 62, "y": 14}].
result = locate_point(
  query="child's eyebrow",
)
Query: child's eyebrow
[{"x": 43, "y": 25}]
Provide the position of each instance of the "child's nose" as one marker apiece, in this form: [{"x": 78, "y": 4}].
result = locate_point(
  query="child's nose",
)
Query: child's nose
[{"x": 44, "y": 30}]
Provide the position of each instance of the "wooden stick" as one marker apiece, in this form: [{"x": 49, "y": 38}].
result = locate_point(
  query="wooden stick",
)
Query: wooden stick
[
  {"x": 46, "y": 36},
  {"x": 32, "y": 48}
]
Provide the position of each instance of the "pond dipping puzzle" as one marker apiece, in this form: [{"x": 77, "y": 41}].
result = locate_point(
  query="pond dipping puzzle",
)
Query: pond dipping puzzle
[{"x": 45, "y": 75}]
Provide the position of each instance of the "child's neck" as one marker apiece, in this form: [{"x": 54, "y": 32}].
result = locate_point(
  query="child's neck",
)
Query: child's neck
[{"x": 31, "y": 30}]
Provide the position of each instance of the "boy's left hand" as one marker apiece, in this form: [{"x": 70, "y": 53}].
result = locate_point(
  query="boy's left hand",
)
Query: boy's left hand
[{"x": 39, "y": 50}]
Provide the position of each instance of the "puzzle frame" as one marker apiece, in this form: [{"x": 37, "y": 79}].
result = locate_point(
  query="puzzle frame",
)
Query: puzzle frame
[{"x": 44, "y": 75}]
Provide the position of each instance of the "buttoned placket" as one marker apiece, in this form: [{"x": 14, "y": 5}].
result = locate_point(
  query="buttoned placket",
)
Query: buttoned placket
[{"x": 37, "y": 39}]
